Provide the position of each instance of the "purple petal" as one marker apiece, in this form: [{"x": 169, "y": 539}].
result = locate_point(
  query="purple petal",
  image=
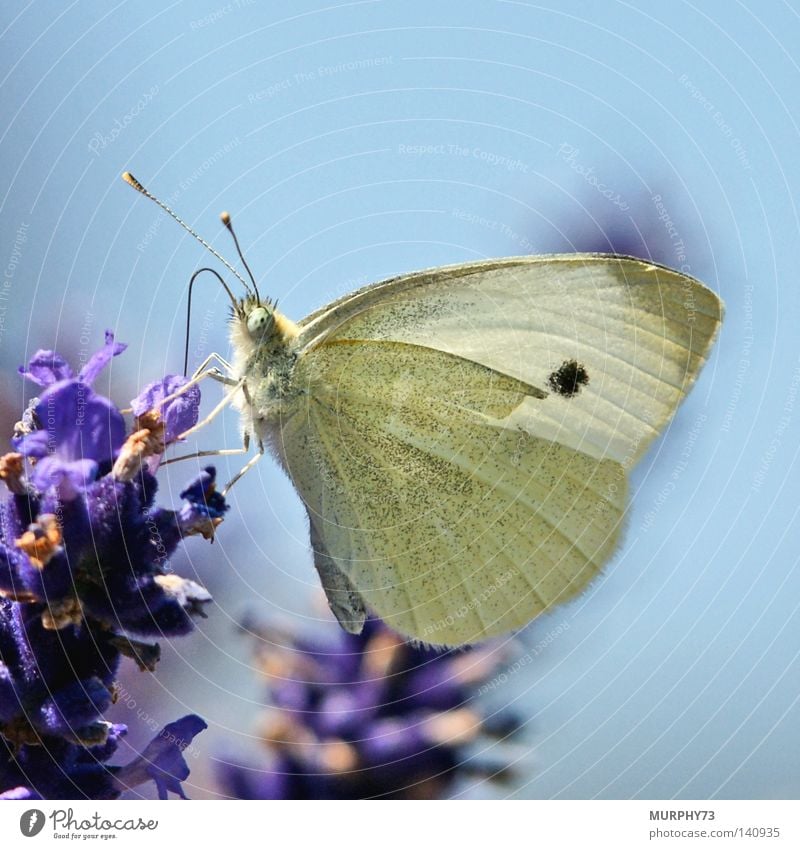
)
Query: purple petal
[
  {"x": 436, "y": 686},
  {"x": 344, "y": 712},
  {"x": 18, "y": 577},
  {"x": 80, "y": 429},
  {"x": 69, "y": 477},
  {"x": 100, "y": 359},
  {"x": 72, "y": 708},
  {"x": 205, "y": 504},
  {"x": 19, "y": 793},
  {"x": 46, "y": 368},
  {"x": 242, "y": 781},
  {"x": 201, "y": 494},
  {"x": 105, "y": 751},
  {"x": 196, "y": 490},
  {"x": 392, "y": 739},
  {"x": 9, "y": 704},
  {"x": 35, "y": 444},
  {"x": 162, "y": 760},
  {"x": 178, "y": 415}
]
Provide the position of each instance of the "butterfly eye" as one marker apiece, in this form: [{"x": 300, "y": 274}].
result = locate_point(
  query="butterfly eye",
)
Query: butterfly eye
[{"x": 258, "y": 321}]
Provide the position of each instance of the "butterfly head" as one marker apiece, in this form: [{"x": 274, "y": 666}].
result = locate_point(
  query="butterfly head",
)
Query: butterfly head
[
  {"x": 257, "y": 324},
  {"x": 259, "y": 320}
]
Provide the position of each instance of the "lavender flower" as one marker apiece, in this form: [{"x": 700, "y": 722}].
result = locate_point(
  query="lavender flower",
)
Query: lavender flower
[
  {"x": 68, "y": 771},
  {"x": 83, "y": 569},
  {"x": 366, "y": 716}
]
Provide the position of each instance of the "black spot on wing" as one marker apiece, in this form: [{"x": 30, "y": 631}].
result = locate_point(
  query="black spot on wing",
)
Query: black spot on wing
[{"x": 568, "y": 378}]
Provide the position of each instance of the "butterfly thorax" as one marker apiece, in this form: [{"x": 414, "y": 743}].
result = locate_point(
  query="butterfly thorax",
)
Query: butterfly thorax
[{"x": 266, "y": 361}]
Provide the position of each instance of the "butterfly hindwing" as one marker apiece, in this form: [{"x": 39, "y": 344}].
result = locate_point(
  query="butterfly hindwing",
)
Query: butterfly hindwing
[
  {"x": 345, "y": 601},
  {"x": 452, "y": 525}
]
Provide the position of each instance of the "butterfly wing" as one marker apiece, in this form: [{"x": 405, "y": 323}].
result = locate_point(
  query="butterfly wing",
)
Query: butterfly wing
[
  {"x": 452, "y": 526},
  {"x": 465, "y": 432},
  {"x": 641, "y": 330}
]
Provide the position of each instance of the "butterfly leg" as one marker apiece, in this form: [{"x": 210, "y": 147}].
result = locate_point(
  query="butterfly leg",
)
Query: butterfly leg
[
  {"x": 247, "y": 466},
  {"x": 214, "y": 452},
  {"x": 207, "y": 362},
  {"x": 215, "y": 375},
  {"x": 221, "y": 452}
]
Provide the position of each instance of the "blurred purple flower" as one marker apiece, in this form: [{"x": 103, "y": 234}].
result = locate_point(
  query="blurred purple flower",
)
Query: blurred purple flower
[
  {"x": 653, "y": 224},
  {"x": 84, "y": 565},
  {"x": 367, "y": 716},
  {"x": 162, "y": 760}
]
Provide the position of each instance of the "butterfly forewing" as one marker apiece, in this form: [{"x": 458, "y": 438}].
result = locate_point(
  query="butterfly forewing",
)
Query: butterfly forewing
[{"x": 641, "y": 331}]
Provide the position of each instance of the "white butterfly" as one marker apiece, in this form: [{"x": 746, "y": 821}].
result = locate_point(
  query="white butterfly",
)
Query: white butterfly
[{"x": 461, "y": 436}]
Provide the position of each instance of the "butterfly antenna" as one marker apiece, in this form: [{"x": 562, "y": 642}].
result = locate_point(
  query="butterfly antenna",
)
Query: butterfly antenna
[
  {"x": 226, "y": 220},
  {"x": 189, "y": 309},
  {"x": 132, "y": 181}
]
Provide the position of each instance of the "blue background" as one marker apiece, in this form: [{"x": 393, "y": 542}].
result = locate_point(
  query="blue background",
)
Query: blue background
[{"x": 551, "y": 128}]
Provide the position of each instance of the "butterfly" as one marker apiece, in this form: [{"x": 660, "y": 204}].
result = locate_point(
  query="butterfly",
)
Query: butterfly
[{"x": 461, "y": 437}]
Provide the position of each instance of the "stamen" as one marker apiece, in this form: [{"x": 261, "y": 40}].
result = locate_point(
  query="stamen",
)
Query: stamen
[{"x": 41, "y": 541}]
